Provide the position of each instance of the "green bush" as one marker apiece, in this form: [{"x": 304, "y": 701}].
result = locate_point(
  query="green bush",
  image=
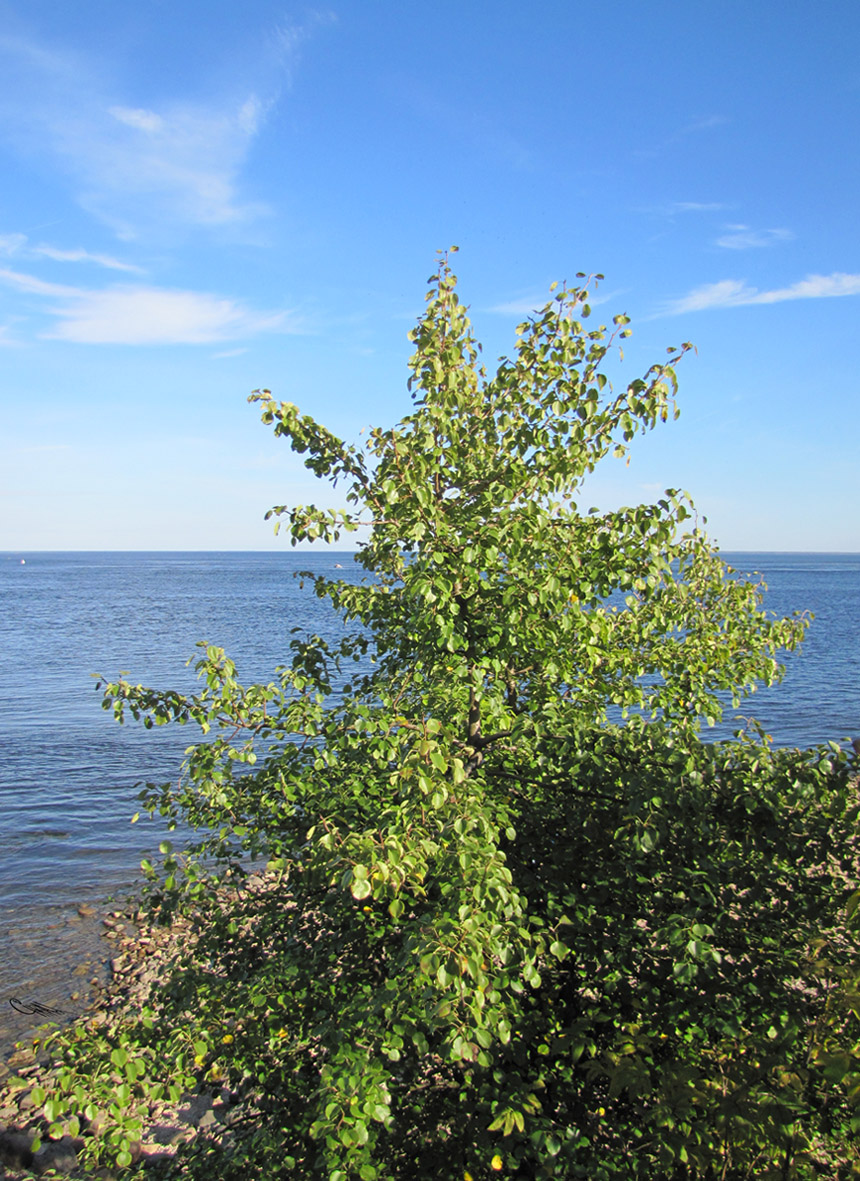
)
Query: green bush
[{"x": 504, "y": 930}]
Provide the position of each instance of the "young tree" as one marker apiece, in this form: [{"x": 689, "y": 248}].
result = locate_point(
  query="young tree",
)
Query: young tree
[
  {"x": 497, "y": 605},
  {"x": 495, "y": 915}
]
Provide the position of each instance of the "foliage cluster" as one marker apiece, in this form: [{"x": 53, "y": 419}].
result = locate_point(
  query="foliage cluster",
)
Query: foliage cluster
[{"x": 518, "y": 918}]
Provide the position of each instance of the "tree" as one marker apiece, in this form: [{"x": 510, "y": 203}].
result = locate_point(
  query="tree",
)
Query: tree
[
  {"x": 491, "y": 588},
  {"x": 502, "y": 930}
]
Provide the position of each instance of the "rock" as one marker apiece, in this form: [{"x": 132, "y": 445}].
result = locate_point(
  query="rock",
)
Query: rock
[
  {"x": 207, "y": 1120},
  {"x": 59, "y": 1155},
  {"x": 16, "y": 1150},
  {"x": 197, "y": 1107},
  {"x": 22, "y": 1056},
  {"x": 86, "y": 911},
  {"x": 169, "y": 1135}
]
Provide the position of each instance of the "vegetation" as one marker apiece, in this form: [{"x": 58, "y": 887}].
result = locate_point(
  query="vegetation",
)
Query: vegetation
[{"x": 518, "y": 918}]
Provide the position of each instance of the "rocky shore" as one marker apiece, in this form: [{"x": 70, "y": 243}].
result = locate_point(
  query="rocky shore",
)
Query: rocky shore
[{"x": 136, "y": 954}]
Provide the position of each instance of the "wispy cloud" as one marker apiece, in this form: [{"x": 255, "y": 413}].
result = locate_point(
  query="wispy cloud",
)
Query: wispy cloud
[
  {"x": 19, "y": 244},
  {"x": 178, "y": 162},
  {"x": 733, "y": 293},
  {"x": 694, "y": 127},
  {"x": 703, "y": 124},
  {"x": 184, "y": 161},
  {"x": 140, "y": 315},
  {"x": 741, "y": 237},
  {"x": 101, "y": 260},
  {"x": 151, "y": 315},
  {"x": 527, "y": 305},
  {"x": 290, "y": 35},
  {"x": 42, "y": 449},
  {"x": 696, "y": 207},
  {"x": 33, "y": 286},
  {"x": 12, "y": 243}
]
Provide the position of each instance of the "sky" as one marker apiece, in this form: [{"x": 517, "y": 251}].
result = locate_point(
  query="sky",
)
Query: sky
[{"x": 200, "y": 198}]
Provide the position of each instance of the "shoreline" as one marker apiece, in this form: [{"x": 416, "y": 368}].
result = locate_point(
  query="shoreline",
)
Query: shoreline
[
  {"x": 62, "y": 983},
  {"x": 59, "y": 965},
  {"x": 142, "y": 951}
]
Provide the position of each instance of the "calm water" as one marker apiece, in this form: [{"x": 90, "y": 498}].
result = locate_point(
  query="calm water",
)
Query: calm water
[{"x": 68, "y": 771}]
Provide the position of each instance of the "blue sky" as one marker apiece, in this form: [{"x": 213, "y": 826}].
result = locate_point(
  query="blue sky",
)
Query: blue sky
[{"x": 201, "y": 198}]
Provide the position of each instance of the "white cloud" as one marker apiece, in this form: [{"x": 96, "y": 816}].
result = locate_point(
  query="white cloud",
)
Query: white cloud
[
  {"x": 696, "y": 127},
  {"x": 33, "y": 286},
  {"x": 152, "y": 315},
  {"x": 704, "y": 124},
  {"x": 19, "y": 244},
  {"x": 814, "y": 287},
  {"x": 102, "y": 260},
  {"x": 289, "y": 37},
  {"x": 42, "y": 449},
  {"x": 527, "y": 305},
  {"x": 732, "y": 293},
  {"x": 142, "y": 120},
  {"x": 184, "y": 161},
  {"x": 12, "y": 243},
  {"x": 137, "y": 167},
  {"x": 696, "y": 207},
  {"x": 138, "y": 315},
  {"x": 250, "y": 115},
  {"x": 740, "y": 237}
]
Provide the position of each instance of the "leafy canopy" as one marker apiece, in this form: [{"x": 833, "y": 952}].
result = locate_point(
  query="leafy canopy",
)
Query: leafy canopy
[{"x": 497, "y": 604}]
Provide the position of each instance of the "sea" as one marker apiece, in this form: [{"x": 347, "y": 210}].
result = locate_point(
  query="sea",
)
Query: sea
[{"x": 69, "y": 774}]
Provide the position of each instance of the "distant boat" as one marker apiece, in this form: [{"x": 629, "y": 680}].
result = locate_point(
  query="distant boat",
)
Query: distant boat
[{"x": 338, "y": 566}]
